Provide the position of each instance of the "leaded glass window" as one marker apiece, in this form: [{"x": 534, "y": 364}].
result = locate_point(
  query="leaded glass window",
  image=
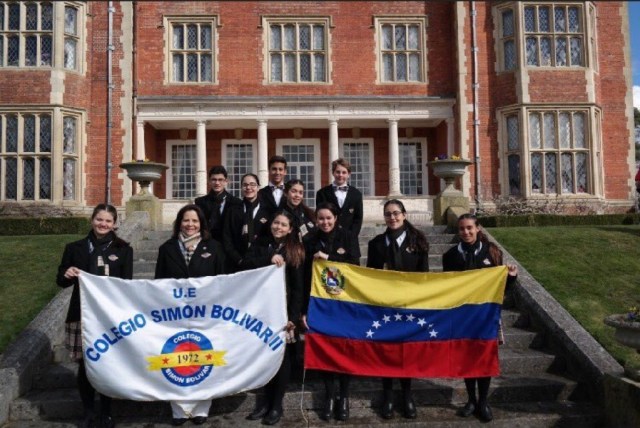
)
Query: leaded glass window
[
  {"x": 183, "y": 171},
  {"x": 239, "y": 161},
  {"x": 554, "y": 35},
  {"x": 298, "y": 51},
  {"x": 26, "y": 34},
  {"x": 509, "y": 55},
  {"x": 302, "y": 164},
  {"x": 559, "y": 152},
  {"x": 192, "y": 52},
  {"x": 401, "y": 51}
]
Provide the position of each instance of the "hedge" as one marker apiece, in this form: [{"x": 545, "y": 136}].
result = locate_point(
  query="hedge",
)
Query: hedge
[
  {"x": 559, "y": 220},
  {"x": 44, "y": 225}
]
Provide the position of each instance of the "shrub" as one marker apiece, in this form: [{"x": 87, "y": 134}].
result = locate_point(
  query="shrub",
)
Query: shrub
[
  {"x": 558, "y": 220},
  {"x": 44, "y": 225}
]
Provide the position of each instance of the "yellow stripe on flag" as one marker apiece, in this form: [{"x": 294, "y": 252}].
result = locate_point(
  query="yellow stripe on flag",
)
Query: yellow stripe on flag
[
  {"x": 187, "y": 358},
  {"x": 429, "y": 290}
]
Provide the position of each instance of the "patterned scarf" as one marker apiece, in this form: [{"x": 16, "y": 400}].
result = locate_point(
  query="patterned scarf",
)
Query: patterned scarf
[{"x": 188, "y": 245}]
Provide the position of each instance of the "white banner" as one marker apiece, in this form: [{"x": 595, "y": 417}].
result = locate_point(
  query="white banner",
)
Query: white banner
[{"x": 183, "y": 339}]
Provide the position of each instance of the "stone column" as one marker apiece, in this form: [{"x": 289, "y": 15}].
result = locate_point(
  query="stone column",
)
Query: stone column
[
  {"x": 394, "y": 160},
  {"x": 263, "y": 159},
  {"x": 140, "y": 153},
  {"x": 201, "y": 158},
  {"x": 333, "y": 143}
]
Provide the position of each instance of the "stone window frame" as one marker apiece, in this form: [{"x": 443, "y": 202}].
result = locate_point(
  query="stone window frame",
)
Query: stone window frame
[
  {"x": 267, "y": 21},
  {"x": 57, "y": 156},
  {"x": 56, "y": 33},
  {"x": 371, "y": 173},
  {"x": 524, "y": 152},
  {"x": 422, "y": 22},
  {"x": 169, "y": 22},
  {"x": 588, "y": 34}
]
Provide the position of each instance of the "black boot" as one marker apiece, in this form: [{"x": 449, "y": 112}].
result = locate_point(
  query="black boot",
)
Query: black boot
[
  {"x": 387, "y": 404},
  {"x": 327, "y": 410},
  {"x": 258, "y": 413},
  {"x": 468, "y": 409},
  {"x": 343, "y": 409},
  {"x": 484, "y": 412},
  {"x": 409, "y": 407}
]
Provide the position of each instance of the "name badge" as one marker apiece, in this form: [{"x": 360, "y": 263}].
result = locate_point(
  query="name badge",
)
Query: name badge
[
  {"x": 263, "y": 220},
  {"x": 341, "y": 251},
  {"x": 303, "y": 230},
  {"x": 113, "y": 257},
  {"x": 205, "y": 255}
]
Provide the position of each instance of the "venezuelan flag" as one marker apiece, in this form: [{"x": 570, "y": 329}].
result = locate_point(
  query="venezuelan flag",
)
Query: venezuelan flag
[{"x": 374, "y": 322}]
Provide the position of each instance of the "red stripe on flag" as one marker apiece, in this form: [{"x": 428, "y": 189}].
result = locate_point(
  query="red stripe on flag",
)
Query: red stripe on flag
[{"x": 451, "y": 358}]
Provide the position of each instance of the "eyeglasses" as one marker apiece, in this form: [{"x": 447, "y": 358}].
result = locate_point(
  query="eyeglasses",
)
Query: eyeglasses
[
  {"x": 392, "y": 213},
  {"x": 249, "y": 185},
  {"x": 218, "y": 180}
]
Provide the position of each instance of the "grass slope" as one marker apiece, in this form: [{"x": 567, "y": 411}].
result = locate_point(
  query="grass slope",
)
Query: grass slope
[
  {"x": 593, "y": 271},
  {"x": 27, "y": 279}
]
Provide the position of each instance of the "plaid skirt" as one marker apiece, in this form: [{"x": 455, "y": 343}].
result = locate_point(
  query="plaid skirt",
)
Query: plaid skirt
[{"x": 73, "y": 339}]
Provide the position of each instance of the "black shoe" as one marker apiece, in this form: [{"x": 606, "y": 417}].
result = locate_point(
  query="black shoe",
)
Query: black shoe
[
  {"x": 327, "y": 410},
  {"x": 106, "y": 421},
  {"x": 343, "y": 409},
  {"x": 258, "y": 413},
  {"x": 409, "y": 408},
  {"x": 387, "y": 409},
  {"x": 272, "y": 418},
  {"x": 178, "y": 421},
  {"x": 484, "y": 413},
  {"x": 199, "y": 420},
  {"x": 468, "y": 410}
]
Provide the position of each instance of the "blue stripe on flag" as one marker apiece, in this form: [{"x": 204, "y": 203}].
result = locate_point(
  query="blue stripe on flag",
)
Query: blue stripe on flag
[{"x": 359, "y": 321}]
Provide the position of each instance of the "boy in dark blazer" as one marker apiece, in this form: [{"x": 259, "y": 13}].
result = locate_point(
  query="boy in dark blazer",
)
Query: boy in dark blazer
[
  {"x": 272, "y": 196},
  {"x": 217, "y": 203},
  {"x": 347, "y": 198}
]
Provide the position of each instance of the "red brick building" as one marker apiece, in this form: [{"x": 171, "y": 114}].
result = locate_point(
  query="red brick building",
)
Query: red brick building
[{"x": 537, "y": 94}]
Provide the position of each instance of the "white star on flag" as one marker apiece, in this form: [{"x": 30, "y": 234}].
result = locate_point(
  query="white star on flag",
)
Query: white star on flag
[
  {"x": 421, "y": 322},
  {"x": 369, "y": 333},
  {"x": 410, "y": 317},
  {"x": 398, "y": 317},
  {"x": 376, "y": 324},
  {"x": 386, "y": 318},
  {"x": 433, "y": 333}
]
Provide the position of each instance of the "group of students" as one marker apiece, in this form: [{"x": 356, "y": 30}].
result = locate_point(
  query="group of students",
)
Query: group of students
[{"x": 221, "y": 234}]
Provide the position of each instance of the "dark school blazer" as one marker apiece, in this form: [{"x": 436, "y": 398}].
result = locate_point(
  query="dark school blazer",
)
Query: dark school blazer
[
  {"x": 207, "y": 260},
  {"x": 452, "y": 260},
  {"x": 345, "y": 249},
  {"x": 215, "y": 223},
  {"x": 234, "y": 241},
  {"x": 266, "y": 198},
  {"x": 350, "y": 215},
  {"x": 259, "y": 255},
  {"x": 412, "y": 260},
  {"x": 119, "y": 257}
]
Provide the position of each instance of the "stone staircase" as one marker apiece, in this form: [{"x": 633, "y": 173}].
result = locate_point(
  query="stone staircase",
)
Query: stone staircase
[{"x": 533, "y": 390}]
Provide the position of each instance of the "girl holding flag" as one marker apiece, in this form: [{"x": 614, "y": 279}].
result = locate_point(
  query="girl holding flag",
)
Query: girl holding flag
[
  {"x": 403, "y": 248},
  {"x": 100, "y": 253},
  {"x": 281, "y": 247},
  {"x": 475, "y": 252},
  {"x": 330, "y": 242}
]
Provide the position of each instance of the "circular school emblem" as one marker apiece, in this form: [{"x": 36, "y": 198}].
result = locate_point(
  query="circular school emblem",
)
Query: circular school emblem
[
  {"x": 187, "y": 358},
  {"x": 333, "y": 280}
]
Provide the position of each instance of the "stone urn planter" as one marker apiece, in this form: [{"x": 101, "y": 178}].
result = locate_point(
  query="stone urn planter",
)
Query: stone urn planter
[
  {"x": 144, "y": 173},
  {"x": 449, "y": 170},
  {"x": 627, "y": 330}
]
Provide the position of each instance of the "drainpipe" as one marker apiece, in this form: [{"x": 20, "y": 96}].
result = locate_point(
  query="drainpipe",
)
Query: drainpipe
[
  {"x": 476, "y": 120},
  {"x": 110, "y": 49}
]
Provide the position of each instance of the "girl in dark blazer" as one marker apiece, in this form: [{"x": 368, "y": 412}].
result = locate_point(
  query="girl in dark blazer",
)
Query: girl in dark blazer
[
  {"x": 330, "y": 242},
  {"x": 280, "y": 247},
  {"x": 100, "y": 253},
  {"x": 245, "y": 222},
  {"x": 403, "y": 248},
  {"x": 475, "y": 252},
  {"x": 190, "y": 253},
  {"x": 304, "y": 217}
]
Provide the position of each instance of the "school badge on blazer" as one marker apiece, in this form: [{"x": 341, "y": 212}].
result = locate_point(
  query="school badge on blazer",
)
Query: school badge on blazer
[{"x": 332, "y": 280}]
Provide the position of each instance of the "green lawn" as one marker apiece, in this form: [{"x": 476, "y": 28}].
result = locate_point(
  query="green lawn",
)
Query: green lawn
[
  {"x": 27, "y": 279},
  {"x": 593, "y": 271}
]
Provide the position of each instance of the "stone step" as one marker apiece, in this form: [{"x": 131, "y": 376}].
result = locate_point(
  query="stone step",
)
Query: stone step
[
  {"x": 63, "y": 403},
  {"x": 531, "y": 414}
]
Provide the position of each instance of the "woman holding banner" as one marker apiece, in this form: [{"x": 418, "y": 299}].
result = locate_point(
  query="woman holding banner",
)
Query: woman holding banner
[
  {"x": 190, "y": 253},
  {"x": 475, "y": 252},
  {"x": 281, "y": 247},
  {"x": 403, "y": 248},
  {"x": 330, "y": 242},
  {"x": 100, "y": 253}
]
